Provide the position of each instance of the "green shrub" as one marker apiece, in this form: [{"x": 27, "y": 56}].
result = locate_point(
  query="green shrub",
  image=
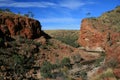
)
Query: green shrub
[
  {"x": 97, "y": 62},
  {"x": 18, "y": 63},
  {"x": 49, "y": 70},
  {"x": 112, "y": 63},
  {"x": 83, "y": 74},
  {"x": 18, "y": 59},
  {"x": 46, "y": 69},
  {"x": 106, "y": 74},
  {"x": 1, "y": 42},
  {"x": 66, "y": 62}
]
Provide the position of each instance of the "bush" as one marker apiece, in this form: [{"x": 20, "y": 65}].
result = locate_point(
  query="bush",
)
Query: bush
[
  {"x": 66, "y": 62},
  {"x": 1, "y": 42},
  {"x": 46, "y": 69},
  {"x": 112, "y": 63},
  {"x": 61, "y": 68},
  {"x": 18, "y": 63},
  {"x": 18, "y": 59},
  {"x": 83, "y": 74},
  {"x": 106, "y": 74}
]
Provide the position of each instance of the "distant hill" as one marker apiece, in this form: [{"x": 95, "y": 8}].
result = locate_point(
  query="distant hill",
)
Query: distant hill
[{"x": 69, "y": 37}]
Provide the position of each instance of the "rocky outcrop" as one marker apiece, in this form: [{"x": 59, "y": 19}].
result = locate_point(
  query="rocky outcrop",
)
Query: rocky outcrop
[
  {"x": 90, "y": 37},
  {"x": 102, "y": 34},
  {"x": 95, "y": 36},
  {"x": 98, "y": 33},
  {"x": 12, "y": 25}
]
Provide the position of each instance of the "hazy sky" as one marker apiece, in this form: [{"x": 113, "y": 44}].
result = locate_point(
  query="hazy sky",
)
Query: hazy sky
[{"x": 60, "y": 14}]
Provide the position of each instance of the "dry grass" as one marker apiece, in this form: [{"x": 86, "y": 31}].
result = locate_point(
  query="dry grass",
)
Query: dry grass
[
  {"x": 112, "y": 18},
  {"x": 108, "y": 74}
]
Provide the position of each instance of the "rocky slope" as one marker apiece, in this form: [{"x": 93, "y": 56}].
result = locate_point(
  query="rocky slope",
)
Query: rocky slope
[
  {"x": 103, "y": 34},
  {"x": 24, "y": 47}
]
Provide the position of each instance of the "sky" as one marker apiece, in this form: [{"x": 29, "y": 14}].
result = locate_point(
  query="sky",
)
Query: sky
[{"x": 60, "y": 14}]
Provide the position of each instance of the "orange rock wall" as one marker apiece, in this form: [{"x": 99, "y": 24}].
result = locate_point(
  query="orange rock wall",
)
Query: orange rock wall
[{"x": 20, "y": 25}]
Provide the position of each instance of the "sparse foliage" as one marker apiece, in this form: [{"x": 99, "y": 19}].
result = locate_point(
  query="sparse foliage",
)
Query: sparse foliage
[
  {"x": 29, "y": 14},
  {"x": 5, "y": 10},
  {"x": 112, "y": 63},
  {"x": 105, "y": 74},
  {"x": 69, "y": 37},
  {"x": 1, "y": 42},
  {"x": 46, "y": 69},
  {"x": 66, "y": 62}
]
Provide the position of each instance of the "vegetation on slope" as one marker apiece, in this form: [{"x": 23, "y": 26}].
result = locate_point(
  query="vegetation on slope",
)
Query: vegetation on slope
[
  {"x": 22, "y": 58},
  {"x": 110, "y": 18},
  {"x": 69, "y": 37}
]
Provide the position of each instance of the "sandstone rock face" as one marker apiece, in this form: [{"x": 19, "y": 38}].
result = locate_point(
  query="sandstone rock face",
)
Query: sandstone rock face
[
  {"x": 13, "y": 25},
  {"x": 102, "y": 34},
  {"x": 91, "y": 38},
  {"x": 97, "y": 35}
]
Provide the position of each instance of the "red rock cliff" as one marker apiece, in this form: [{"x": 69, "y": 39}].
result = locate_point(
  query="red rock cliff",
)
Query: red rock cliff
[
  {"x": 97, "y": 34},
  {"x": 103, "y": 34},
  {"x": 12, "y": 24}
]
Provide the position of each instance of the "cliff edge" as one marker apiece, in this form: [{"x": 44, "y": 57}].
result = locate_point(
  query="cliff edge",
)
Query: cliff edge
[{"x": 12, "y": 24}]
